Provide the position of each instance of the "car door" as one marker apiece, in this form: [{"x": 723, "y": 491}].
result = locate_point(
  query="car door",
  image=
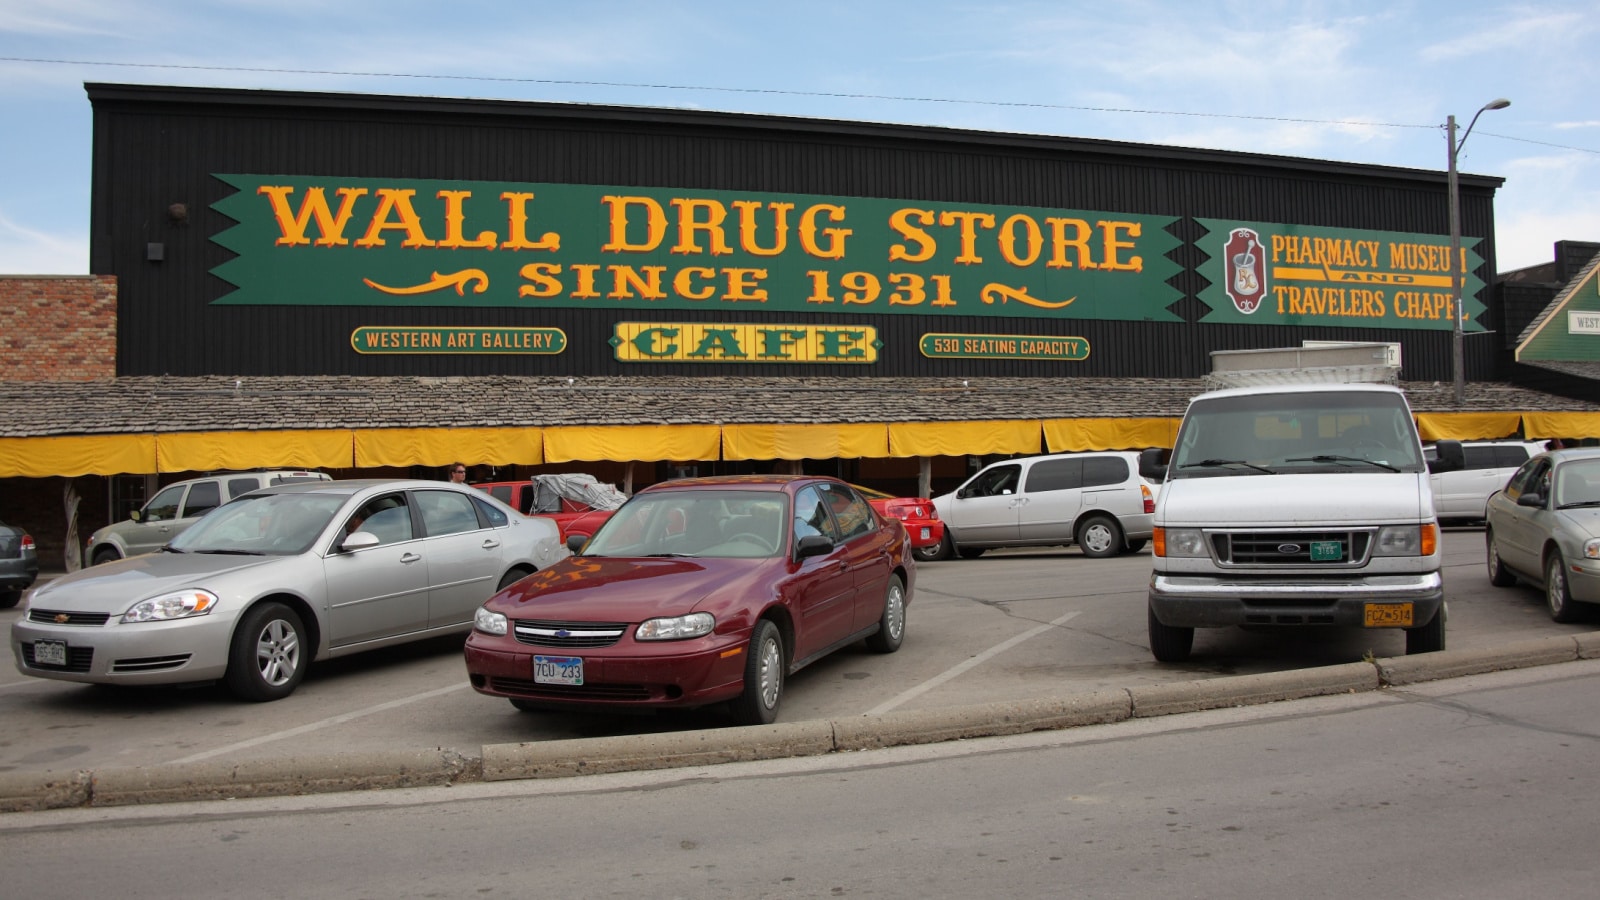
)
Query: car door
[
  {"x": 464, "y": 556},
  {"x": 986, "y": 509},
  {"x": 822, "y": 598},
  {"x": 382, "y": 591},
  {"x": 1052, "y": 493},
  {"x": 156, "y": 519},
  {"x": 1518, "y": 534},
  {"x": 865, "y": 555}
]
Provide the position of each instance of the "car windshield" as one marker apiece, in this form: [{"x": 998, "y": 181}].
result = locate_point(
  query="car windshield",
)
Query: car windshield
[
  {"x": 697, "y": 523},
  {"x": 1336, "y": 431},
  {"x": 1578, "y": 484},
  {"x": 262, "y": 524}
]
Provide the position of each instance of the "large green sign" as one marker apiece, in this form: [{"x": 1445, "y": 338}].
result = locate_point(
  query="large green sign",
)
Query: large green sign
[
  {"x": 1264, "y": 274},
  {"x": 374, "y": 242}
]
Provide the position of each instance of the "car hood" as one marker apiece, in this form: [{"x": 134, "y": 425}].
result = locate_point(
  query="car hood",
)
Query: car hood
[
  {"x": 624, "y": 589},
  {"x": 1584, "y": 521},
  {"x": 1295, "y": 499},
  {"x": 113, "y": 587}
]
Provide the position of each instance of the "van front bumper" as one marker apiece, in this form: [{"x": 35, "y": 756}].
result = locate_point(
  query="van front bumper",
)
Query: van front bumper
[{"x": 1195, "y": 601}]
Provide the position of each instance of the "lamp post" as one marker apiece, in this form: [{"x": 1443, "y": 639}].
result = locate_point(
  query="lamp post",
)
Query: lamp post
[{"x": 1457, "y": 276}]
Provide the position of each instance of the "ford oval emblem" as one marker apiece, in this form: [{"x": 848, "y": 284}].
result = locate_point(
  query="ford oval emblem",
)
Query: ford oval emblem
[{"x": 1288, "y": 549}]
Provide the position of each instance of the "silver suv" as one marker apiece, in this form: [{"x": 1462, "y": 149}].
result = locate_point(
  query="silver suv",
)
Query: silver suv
[
  {"x": 176, "y": 507},
  {"x": 1099, "y": 501}
]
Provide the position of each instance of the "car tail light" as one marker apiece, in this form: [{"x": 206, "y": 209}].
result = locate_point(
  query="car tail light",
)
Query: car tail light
[
  {"x": 1149, "y": 498},
  {"x": 27, "y": 542}
]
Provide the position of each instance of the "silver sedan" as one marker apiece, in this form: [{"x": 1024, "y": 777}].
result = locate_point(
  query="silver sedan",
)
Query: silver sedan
[
  {"x": 266, "y": 583},
  {"x": 1544, "y": 527}
]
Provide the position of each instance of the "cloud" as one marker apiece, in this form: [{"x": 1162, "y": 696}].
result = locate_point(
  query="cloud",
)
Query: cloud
[
  {"x": 24, "y": 251},
  {"x": 1509, "y": 33}
]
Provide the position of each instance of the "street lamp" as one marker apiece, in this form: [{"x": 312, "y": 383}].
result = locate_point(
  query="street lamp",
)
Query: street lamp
[{"x": 1457, "y": 276}]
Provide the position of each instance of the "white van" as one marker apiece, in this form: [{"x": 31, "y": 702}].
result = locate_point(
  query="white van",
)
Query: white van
[
  {"x": 177, "y": 506},
  {"x": 1463, "y": 494},
  {"x": 1098, "y": 501}
]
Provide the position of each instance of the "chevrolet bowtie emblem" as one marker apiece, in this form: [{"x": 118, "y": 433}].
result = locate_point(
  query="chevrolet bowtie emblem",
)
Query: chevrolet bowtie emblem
[{"x": 62, "y": 618}]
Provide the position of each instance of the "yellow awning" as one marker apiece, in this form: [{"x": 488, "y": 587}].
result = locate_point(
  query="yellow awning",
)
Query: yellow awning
[
  {"x": 646, "y": 443},
  {"x": 1538, "y": 426},
  {"x": 842, "y": 441},
  {"x": 204, "y": 451},
  {"x": 1073, "y": 435},
  {"x": 1468, "y": 426},
  {"x": 67, "y": 456},
  {"x": 443, "y": 446},
  {"x": 964, "y": 438}
]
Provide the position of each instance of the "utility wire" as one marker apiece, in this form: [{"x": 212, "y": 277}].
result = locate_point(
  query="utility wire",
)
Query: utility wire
[{"x": 770, "y": 91}]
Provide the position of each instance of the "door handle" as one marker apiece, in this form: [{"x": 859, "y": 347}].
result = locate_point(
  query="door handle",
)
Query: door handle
[
  {"x": 490, "y": 543},
  {"x": 409, "y": 558}
]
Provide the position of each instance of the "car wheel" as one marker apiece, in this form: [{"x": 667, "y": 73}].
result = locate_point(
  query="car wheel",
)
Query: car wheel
[
  {"x": 527, "y": 706},
  {"x": 510, "y": 578},
  {"x": 9, "y": 599},
  {"x": 892, "y": 624},
  {"x": 1499, "y": 575},
  {"x": 1135, "y": 545},
  {"x": 763, "y": 677},
  {"x": 970, "y": 552},
  {"x": 1557, "y": 593},
  {"x": 1099, "y": 537},
  {"x": 1429, "y": 638},
  {"x": 929, "y": 554},
  {"x": 104, "y": 555},
  {"x": 267, "y": 658},
  {"x": 1169, "y": 643}
]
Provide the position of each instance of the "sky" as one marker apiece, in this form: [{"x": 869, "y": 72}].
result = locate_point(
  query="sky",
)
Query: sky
[{"x": 1360, "y": 82}]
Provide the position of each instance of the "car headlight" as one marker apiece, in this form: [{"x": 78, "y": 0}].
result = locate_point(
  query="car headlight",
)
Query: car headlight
[
  {"x": 1186, "y": 542},
  {"x": 1402, "y": 540},
  {"x": 676, "y": 628},
  {"x": 179, "y": 605},
  {"x": 488, "y": 621},
  {"x": 1591, "y": 549}
]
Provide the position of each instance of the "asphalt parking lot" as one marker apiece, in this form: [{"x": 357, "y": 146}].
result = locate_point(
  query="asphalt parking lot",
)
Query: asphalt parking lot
[{"x": 1008, "y": 626}]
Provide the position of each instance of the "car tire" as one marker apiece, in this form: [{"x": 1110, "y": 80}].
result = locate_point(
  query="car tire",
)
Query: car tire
[
  {"x": 510, "y": 578},
  {"x": 1557, "y": 593},
  {"x": 1134, "y": 545},
  {"x": 892, "y": 624},
  {"x": 930, "y": 554},
  {"x": 268, "y": 656},
  {"x": 1099, "y": 537},
  {"x": 104, "y": 555},
  {"x": 1499, "y": 575},
  {"x": 764, "y": 676},
  {"x": 1169, "y": 643},
  {"x": 8, "y": 599},
  {"x": 1427, "y": 638}
]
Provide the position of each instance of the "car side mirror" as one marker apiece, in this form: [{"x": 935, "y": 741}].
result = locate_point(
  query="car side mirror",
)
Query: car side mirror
[
  {"x": 134, "y": 515},
  {"x": 1450, "y": 457},
  {"x": 360, "y": 541},
  {"x": 1530, "y": 499},
  {"x": 1153, "y": 463},
  {"x": 575, "y": 542},
  {"x": 813, "y": 545}
]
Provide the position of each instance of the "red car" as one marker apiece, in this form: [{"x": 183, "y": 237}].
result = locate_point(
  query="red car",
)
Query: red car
[
  {"x": 921, "y": 520},
  {"x": 577, "y": 503},
  {"x": 700, "y": 591}
]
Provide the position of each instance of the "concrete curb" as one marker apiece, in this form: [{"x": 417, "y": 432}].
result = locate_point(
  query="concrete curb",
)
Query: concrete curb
[{"x": 20, "y": 792}]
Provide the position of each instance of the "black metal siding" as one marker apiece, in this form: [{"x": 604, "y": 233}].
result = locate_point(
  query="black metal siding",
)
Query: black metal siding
[{"x": 158, "y": 146}]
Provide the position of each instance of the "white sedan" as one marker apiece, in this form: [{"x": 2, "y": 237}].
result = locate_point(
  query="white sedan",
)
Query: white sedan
[{"x": 270, "y": 581}]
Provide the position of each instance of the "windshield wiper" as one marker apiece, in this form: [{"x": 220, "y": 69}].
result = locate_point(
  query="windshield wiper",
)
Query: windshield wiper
[
  {"x": 231, "y": 552},
  {"x": 1219, "y": 463},
  {"x": 1581, "y": 504},
  {"x": 665, "y": 555},
  {"x": 168, "y": 548},
  {"x": 1333, "y": 457}
]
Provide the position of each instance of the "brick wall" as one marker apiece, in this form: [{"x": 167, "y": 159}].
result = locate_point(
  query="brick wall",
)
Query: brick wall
[{"x": 58, "y": 327}]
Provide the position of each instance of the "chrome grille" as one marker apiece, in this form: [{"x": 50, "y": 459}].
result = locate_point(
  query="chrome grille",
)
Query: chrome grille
[
  {"x": 569, "y": 635},
  {"x": 1290, "y": 548},
  {"x": 51, "y": 617}
]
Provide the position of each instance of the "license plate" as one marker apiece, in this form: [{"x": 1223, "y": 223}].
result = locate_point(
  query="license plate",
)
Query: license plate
[
  {"x": 927, "y": 534},
  {"x": 1326, "y": 550},
  {"x": 49, "y": 653},
  {"x": 1388, "y": 615},
  {"x": 558, "y": 669}
]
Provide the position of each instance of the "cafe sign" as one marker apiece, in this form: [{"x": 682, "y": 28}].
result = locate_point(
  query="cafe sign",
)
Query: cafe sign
[
  {"x": 699, "y": 342},
  {"x": 327, "y": 241}
]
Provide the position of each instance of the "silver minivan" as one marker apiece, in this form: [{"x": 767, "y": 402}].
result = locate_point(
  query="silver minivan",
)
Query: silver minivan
[
  {"x": 1099, "y": 501},
  {"x": 176, "y": 507}
]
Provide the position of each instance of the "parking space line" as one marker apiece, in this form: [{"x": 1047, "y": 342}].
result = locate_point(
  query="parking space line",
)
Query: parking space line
[
  {"x": 313, "y": 726},
  {"x": 953, "y": 671}
]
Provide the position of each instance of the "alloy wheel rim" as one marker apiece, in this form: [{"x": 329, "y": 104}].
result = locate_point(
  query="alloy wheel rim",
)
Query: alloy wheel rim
[
  {"x": 771, "y": 676},
  {"x": 1557, "y": 587},
  {"x": 278, "y": 652},
  {"x": 896, "y": 611},
  {"x": 1097, "y": 538}
]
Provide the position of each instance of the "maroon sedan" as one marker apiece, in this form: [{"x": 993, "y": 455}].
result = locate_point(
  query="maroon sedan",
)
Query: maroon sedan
[{"x": 700, "y": 591}]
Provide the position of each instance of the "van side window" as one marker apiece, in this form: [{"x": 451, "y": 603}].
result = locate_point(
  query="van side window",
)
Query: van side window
[
  {"x": 204, "y": 496},
  {"x": 1509, "y": 455},
  {"x": 1103, "y": 470},
  {"x": 165, "y": 505},
  {"x": 1480, "y": 457},
  {"x": 237, "y": 486},
  {"x": 995, "y": 482},
  {"x": 1056, "y": 475}
]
